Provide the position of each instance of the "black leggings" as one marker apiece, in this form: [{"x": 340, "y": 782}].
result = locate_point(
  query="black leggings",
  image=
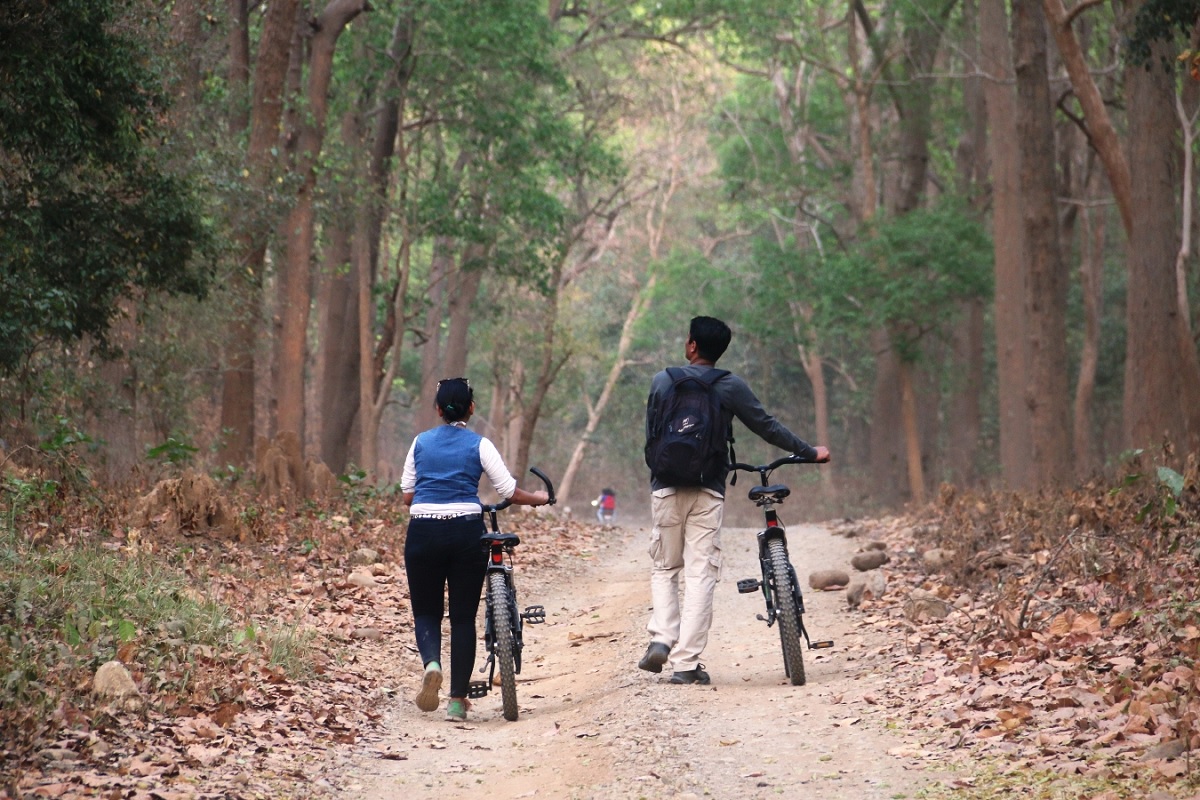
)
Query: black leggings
[{"x": 437, "y": 554}]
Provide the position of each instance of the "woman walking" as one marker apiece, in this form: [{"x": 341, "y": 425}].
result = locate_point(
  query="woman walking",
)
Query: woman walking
[{"x": 441, "y": 485}]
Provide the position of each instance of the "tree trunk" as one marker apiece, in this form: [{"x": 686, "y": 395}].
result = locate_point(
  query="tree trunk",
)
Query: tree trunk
[
  {"x": 337, "y": 365},
  {"x": 887, "y": 425},
  {"x": 863, "y": 190},
  {"x": 912, "y": 438},
  {"x": 914, "y": 102},
  {"x": 814, "y": 368},
  {"x": 376, "y": 374},
  {"x": 1091, "y": 279},
  {"x": 465, "y": 283},
  {"x": 186, "y": 41},
  {"x": 965, "y": 417},
  {"x": 440, "y": 270},
  {"x": 238, "y": 390},
  {"x": 377, "y": 369},
  {"x": 1160, "y": 402},
  {"x": 1102, "y": 134},
  {"x": 595, "y": 411},
  {"x": 295, "y": 279},
  {"x": 1008, "y": 237},
  {"x": 239, "y": 66},
  {"x": 117, "y": 415},
  {"x": 548, "y": 367},
  {"x": 1046, "y": 386}
]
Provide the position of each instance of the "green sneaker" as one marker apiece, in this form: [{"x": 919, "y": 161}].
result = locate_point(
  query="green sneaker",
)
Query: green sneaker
[
  {"x": 427, "y": 698},
  {"x": 456, "y": 709}
]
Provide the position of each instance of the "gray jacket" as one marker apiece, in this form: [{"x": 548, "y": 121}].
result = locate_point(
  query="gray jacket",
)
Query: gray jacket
[{"x": 737, "y": 400}]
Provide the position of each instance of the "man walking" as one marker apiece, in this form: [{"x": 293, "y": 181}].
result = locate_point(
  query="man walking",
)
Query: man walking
[{"x": 688, "y": 457}]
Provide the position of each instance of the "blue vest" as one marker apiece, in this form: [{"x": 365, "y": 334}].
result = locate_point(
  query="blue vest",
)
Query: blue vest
[{"x": 448, "y": 466}]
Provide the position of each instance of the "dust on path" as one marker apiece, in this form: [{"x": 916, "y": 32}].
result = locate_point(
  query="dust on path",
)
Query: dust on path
[{"x": 594, "y": 726}]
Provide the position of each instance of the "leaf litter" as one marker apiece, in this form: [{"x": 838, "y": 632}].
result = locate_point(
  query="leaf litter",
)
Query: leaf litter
[{"x": 1070, "y": 651}]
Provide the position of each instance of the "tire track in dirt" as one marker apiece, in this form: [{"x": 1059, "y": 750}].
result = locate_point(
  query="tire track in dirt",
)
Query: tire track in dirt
[{"x": 593, "y": 726}]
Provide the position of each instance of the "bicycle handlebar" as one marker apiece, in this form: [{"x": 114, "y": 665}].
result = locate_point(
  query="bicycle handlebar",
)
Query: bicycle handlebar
[
  {"x": 779, "y": 462},
  {"x": 549, "y": 485},
  {"x": 506, "y": 502}
]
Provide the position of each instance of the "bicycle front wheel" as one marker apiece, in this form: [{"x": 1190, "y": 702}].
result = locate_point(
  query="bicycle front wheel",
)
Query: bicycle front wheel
[
  {"x": 502, "y": 640},
  {"x": 786, "y": 612}
]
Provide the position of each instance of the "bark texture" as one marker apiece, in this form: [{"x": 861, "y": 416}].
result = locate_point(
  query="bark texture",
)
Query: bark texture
[{"x": 1046, "y": 385}]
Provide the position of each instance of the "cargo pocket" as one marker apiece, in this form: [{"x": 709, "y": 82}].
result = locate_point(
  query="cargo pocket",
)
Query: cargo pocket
[
  {"x": 656, "y": 547},
  {"x": 714, "y": 563}
]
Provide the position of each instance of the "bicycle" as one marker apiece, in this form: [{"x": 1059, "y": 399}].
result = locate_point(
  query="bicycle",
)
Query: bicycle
[
  {"x": 504, "y": 623},
  {"x": 779, "y": 585}
]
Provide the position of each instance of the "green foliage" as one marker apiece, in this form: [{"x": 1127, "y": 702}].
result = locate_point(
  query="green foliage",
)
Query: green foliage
[
  {"x": 174, "y": 451},
  {"x": 92, "y": 211},
  {"x": 908, "y": 275},
  {"x": 1161, "y": 21},
  {"x": 488, "y": 172}
]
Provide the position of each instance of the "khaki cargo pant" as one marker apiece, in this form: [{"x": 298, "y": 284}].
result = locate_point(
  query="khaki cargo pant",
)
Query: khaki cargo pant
[{"x": 685, "y": 541}]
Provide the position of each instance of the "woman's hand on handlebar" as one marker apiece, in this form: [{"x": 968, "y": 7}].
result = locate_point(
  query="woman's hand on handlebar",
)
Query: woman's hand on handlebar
[
  {"x": 822, "y": 454},
  {"x": 523, "y": 498}
]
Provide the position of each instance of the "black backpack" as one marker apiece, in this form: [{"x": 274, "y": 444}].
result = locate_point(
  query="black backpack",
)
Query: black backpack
[{"x": 687, "y": 439}]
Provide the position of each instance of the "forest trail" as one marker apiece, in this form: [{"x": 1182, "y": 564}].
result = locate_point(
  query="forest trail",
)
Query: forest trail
[{"x": 594, "y": 726}]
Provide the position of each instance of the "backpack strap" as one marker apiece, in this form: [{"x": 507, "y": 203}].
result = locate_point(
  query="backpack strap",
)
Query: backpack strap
[{"x": 711, "y": 377}]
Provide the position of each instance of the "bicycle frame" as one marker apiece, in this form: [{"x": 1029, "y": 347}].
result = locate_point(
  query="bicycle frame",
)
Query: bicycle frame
[
  {"x": 500, "y": 554},
  {"x": 766, "y": 496},
  {"x": 504, "y": 624}
]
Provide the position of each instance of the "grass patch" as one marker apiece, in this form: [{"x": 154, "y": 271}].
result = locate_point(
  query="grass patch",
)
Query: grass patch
[{"x": 67, "y": 608}]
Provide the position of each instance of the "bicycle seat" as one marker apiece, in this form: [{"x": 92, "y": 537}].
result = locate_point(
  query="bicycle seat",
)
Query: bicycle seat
[
  {"x": 776, "y": 492},
  {"x": 502, "y": 539}
]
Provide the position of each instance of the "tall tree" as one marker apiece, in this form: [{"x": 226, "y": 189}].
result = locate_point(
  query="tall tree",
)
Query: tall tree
[
  {"x": 92, "y": 211},
  {"x": 252, "y": 226},
  {"x": 1008, "y": 238},
  {"x": 1046, "y": 381},
  {"x": 295, "y": 276},
  {"x": 1161, "y": 399}
]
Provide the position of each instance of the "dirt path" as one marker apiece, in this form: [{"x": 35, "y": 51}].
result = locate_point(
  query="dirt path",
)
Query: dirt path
[{"x": 594, "y": 726}]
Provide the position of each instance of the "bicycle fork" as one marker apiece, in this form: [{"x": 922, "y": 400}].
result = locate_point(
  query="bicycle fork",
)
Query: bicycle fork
[{"x": 770, "y": 589}]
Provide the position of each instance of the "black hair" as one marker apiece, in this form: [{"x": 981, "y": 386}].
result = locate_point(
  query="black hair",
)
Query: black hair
[
  {"x": 454, "y": 398},
  {"x": 711, "y": 335}
]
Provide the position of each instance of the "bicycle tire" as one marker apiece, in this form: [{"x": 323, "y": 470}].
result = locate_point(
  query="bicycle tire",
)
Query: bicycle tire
[
  {"x": 502, "y": 642},
  {"x": 786, "y": 612}
]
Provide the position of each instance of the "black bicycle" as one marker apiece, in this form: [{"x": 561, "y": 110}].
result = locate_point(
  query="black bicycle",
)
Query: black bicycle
[
  {"x": 504, "y": 623},
  {"x": 779, "y": 585}
]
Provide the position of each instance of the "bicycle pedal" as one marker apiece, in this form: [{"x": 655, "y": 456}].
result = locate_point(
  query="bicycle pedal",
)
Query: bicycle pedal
[
  {"x": 477, "y": 689},
  {"x": 534, "y": 615},
  {"x": 748, "y": 585},
  {"x": 822, "y": 645}
]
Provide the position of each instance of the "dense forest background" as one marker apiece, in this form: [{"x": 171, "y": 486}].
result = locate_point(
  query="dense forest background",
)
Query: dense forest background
[{"x": 953, "y": 237}]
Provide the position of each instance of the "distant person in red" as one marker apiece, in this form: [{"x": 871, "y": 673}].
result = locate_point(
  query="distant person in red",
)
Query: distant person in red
[{"x": 606, "y": 505}]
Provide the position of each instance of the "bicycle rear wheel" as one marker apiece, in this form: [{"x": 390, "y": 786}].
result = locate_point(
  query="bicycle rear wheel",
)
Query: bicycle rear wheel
[
  {"x": 786, "y": 612},
  {"x": 502, "y": 641}
]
